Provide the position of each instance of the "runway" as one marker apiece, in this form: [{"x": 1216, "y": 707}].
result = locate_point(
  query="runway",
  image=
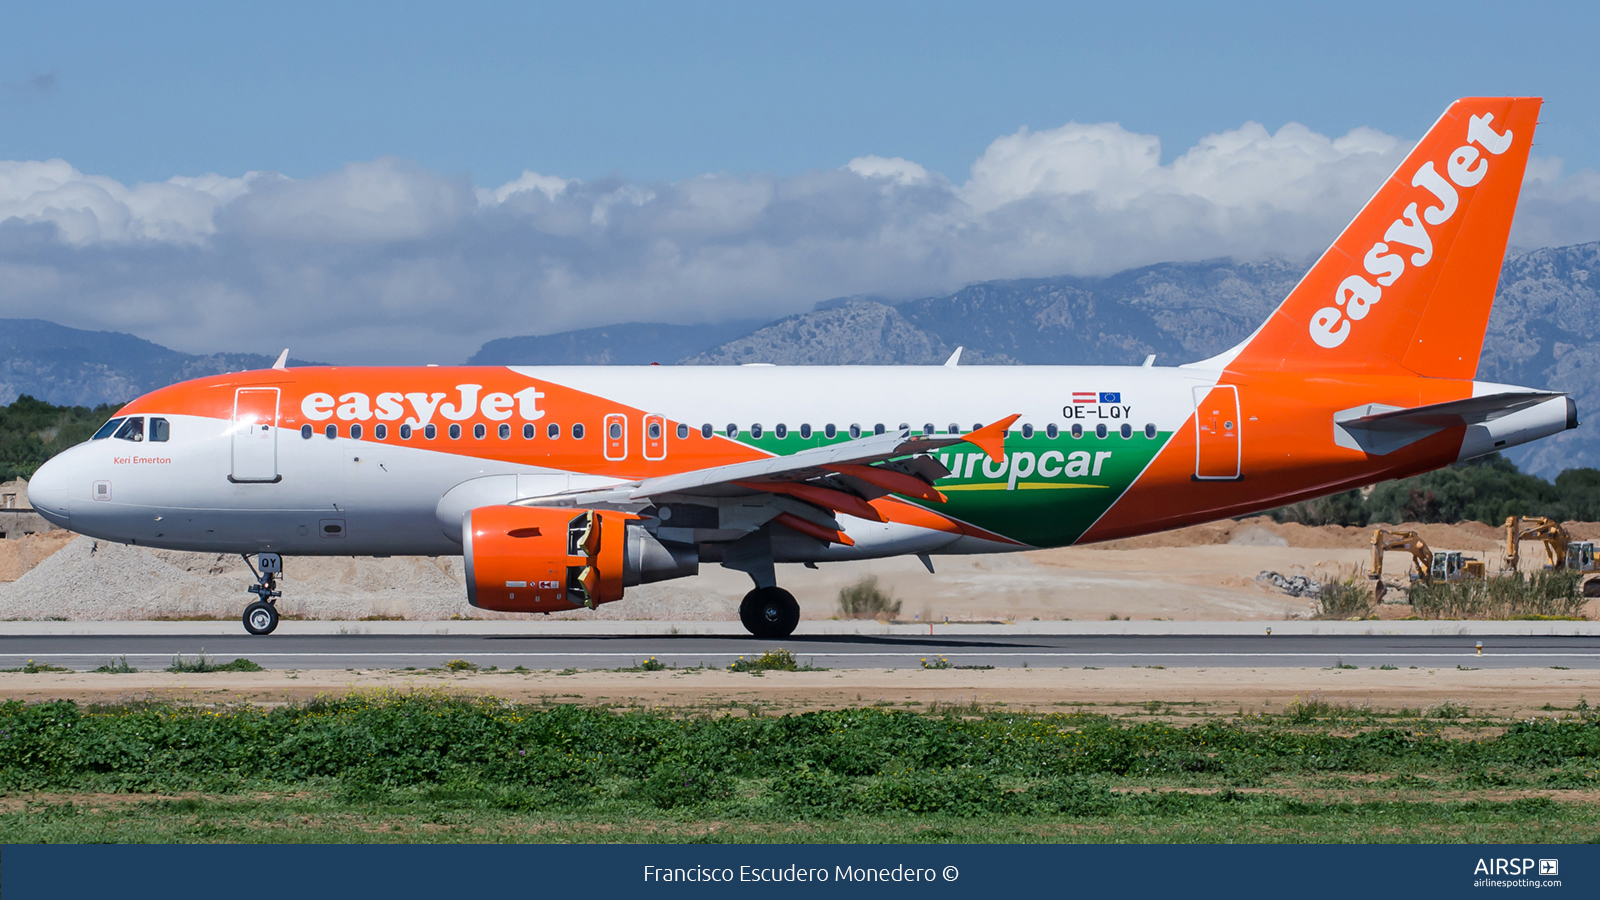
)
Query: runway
[{"x": 559, "y": 652}]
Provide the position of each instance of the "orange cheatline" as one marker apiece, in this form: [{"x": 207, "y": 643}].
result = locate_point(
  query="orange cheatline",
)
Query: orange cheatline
[{"x": 898, "y": 482}]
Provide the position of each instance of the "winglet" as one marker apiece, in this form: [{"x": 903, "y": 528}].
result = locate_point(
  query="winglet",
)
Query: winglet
[
  {"x": 954, "y": 360},
  {"x": 991, "y": 439},
  {"x": 283, "y": 360}
]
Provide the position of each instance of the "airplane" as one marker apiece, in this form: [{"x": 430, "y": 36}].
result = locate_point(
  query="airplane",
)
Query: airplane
[{"x": 563, "y": 486}]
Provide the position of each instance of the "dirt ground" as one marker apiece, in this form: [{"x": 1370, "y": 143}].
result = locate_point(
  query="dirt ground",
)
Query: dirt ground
[
  {"x": 1507, "y": 693},
  {"x": 1206, "y": 572}
]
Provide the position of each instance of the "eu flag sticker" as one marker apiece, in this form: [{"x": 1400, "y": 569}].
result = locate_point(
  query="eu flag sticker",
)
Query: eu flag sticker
[{"x": 1110, "y": 396}]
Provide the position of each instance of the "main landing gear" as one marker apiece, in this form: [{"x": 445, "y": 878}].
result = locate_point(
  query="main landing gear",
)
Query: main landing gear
[
  {"x": 261, "y": 617},
  {"x": 769, "y": 613}
]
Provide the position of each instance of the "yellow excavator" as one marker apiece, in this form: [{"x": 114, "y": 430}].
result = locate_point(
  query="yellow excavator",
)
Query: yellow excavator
[
  {"x": 1560, "y": 550},
  {"x": 1427, "y": 565}
]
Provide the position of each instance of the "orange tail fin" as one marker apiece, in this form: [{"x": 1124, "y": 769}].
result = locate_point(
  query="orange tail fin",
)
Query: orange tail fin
[{"x": 1409, "y": 284}]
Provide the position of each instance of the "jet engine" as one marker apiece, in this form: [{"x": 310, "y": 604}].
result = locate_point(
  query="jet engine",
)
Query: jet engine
[{"x": 544, "y": 559}]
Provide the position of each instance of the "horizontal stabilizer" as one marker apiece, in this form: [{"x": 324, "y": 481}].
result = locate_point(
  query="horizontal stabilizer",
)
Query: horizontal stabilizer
[{"x": 1378, "y": 429}]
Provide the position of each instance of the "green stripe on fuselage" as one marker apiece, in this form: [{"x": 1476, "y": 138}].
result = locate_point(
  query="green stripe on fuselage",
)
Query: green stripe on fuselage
[{"x": 1047, "y": 492}]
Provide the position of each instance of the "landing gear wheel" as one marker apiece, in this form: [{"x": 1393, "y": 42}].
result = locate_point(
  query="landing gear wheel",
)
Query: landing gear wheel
[
  {"x": 769, "y": 613},
  {"x": 260, "y": 617}
]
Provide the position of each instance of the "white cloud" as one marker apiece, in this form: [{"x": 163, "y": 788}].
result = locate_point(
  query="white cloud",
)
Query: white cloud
[{"x": 384, "y": 261}]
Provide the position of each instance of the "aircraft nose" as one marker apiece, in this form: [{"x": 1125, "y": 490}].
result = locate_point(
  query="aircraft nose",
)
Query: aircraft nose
[{"x": 48, "y": 489}]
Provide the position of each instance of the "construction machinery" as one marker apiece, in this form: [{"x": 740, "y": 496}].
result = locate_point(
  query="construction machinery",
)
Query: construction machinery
[
  {"x": 1427, "y": 565},
  {"x": 1560, "y": 550}
]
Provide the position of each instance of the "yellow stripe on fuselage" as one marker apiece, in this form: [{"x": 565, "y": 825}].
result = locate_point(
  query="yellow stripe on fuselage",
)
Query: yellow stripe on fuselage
[{"x": 1021, "y": 486}]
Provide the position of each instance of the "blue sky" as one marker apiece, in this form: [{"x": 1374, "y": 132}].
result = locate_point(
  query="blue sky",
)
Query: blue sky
[
  {"x": 400, "y": 183},
  {"x": 665, "y": 90}
]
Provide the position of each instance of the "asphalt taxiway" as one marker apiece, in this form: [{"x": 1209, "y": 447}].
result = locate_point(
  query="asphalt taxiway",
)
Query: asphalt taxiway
[{"x": 149, "y": 651}]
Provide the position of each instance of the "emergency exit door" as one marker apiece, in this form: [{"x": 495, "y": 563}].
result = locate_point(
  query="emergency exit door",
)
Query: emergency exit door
[
  {"x": 1218, "y": 448},
  {"x": 255, "y": 435}
]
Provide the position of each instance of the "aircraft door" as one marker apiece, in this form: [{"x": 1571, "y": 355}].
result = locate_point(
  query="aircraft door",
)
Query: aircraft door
[
  {"x": 1218, "y": 446},
  {"x": 655, "y": 437},
  {"x": 255, "y": 435},
  {"x": 616, "y": 437}
]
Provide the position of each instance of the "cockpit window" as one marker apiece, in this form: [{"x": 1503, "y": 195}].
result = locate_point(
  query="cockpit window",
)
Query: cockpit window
[
  {"x": 106, "y": 430},
  {"x": 160, "y": 429},
  {"x": 132, "y": 429}
]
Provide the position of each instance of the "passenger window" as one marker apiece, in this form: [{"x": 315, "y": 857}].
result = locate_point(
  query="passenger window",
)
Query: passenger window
[
  {"x": 429, "y": 431},
  {"x": 505, "y": 431},
  {"x": 1027, "y": 430},
  {"x": 528, "y": 432},
  {"x": 929, "y": 429},
  {"x": 160, "y": 429},
  {"x": 479, "y": 431},
  {"x": 781, "y": 430},
  {"x": 305, "y": 431},
  {"x": 1099, "y": 431},
  {"x": 405, "y": 432},
  {"x": 805, "y": 431},
  {"x": 755, "y": 430},
  {"x": 577, "y": 431},
  {"x": 106, "y": 430},
  {"x": 830, "y": 432},
  {"x": 132, "y": 429},
  {"x": 1127, "y": 431},
  {"x": 1077, "y": 431},
  {"x": 552, "y": 431},
  {"x": 683, "y": 431},
  {"x": 878, "y": 428},
  {"x": 380, "y": 431},
  {"x": 855, "y": 431},
  {"x": 355, "y": 431},
  {"x": 733, "y": 430},
  {"x": 706, "y": 431},
  {"x": 1150, "y": 431},
  {"x": 954, "y": 428},
  {"x": 615, "y": 431},
  {"x": 1051, "y": 432},
  {"x": 455, "y": 432},
  {"x": 332, "y": 431}
]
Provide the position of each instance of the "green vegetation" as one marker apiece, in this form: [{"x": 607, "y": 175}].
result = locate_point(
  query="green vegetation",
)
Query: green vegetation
[
  {"x": 1487, "y": 490},
  {"x": 1540, "y": 594},
  {"x": 117, "y": 666},
  {"x": 779, "y": 660},
  {"x": 1348, "y": 596},
  {"x": 866, "y": 600},
  {"x": 204, "y": 663},
  {"x": 32, "y": 431},
  {"x": 418, "y": 766}
]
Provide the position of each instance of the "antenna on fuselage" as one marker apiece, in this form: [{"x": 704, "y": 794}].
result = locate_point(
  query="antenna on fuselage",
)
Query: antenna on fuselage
[{"x": 283, "y": 360}]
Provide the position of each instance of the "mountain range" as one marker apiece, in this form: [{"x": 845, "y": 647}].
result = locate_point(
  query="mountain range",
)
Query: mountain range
[{"x": 1544, "y": 332}]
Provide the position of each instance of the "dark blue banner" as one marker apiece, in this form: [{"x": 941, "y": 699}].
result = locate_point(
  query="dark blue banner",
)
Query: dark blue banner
[{"x": 310, "y": 872}]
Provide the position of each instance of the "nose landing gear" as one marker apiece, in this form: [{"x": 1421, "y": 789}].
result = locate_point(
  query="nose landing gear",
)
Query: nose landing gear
[{"x": 261, "y": 617}]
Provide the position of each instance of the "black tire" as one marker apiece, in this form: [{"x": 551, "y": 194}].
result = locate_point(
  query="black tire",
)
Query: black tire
[
  {"x": 260, "y": 617},
  {"x": 769, "y": 613}
]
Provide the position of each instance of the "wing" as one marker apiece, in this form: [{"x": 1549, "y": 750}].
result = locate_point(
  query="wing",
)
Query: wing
[{"x": 802, "y": 490}]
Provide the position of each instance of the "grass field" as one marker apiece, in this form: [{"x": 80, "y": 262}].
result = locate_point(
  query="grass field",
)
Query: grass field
[{"x": 428, "y": 766}]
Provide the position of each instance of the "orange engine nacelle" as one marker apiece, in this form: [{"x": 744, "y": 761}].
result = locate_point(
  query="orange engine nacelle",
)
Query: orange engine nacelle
[{"x": 543, "y": 559}]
